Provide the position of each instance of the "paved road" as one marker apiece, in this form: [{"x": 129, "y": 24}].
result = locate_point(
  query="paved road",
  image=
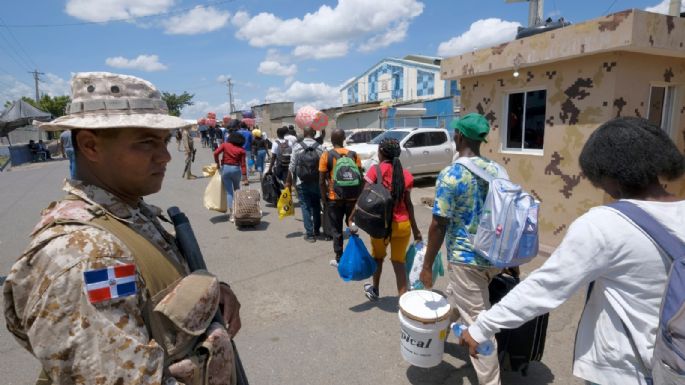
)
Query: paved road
[{"x": 301, "y": 323}]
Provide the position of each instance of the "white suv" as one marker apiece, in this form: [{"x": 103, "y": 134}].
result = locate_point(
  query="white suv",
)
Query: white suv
[{"x": 425, "y": 151}]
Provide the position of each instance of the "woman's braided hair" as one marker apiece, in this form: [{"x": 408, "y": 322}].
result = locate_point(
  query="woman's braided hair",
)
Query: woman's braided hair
[{"x": 390, "y": 148}]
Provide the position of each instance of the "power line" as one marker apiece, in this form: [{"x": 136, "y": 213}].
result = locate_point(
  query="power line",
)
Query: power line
[
  {"x": 16, "y": 60},
  {"x": 611, "y": 6},
  {"x": 3, "y": 24},
  {"x": 215, "y": 3}
]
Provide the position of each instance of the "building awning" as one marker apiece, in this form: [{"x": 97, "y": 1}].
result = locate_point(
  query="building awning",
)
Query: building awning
[{"x": 410, "y": 111}]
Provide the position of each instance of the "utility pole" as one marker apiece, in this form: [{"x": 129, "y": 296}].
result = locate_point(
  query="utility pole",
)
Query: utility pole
[
  {"x": 230, "y": 95},
  {"x": 674, "y": 7},
  {"x": 535, "y": 11},
  {"x": 36, "y": 78}
]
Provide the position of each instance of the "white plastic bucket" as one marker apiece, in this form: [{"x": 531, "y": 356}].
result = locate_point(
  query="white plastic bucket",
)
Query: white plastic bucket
[{"x": 424, "y": 320}]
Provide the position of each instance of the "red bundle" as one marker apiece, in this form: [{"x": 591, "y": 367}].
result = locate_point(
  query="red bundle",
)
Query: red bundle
[
  {"x": 211, "y": 115},
  {"x": 202, "y": 121},
  {"x": 211, "y": 122}
]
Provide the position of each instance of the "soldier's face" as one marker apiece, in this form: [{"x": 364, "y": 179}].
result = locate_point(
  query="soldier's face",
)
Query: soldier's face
[{"x": 135, "y": 161}]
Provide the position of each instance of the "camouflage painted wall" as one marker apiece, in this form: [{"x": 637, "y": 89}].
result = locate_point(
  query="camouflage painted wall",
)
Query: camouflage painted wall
[{"x": 582, "y": 93}]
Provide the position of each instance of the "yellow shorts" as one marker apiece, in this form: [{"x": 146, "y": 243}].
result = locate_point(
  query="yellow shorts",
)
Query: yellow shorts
[{"x": 399, "y": 241}]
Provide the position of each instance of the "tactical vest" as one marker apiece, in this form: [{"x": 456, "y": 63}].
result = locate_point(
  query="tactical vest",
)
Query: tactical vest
[{"x": 167, "y": 317}]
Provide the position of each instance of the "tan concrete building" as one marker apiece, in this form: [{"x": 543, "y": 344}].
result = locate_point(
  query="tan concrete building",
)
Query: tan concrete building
[
  {"x": 270, "y": 116},
  {"x": 545, "y": 94}
]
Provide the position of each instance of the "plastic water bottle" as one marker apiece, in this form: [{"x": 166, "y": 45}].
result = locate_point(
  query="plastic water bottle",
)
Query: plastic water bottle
[{"x": 485, "y": 349}]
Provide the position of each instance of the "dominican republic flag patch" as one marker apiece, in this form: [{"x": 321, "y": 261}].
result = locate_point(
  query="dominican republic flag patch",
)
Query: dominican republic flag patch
[{"x": 111, "y": 282}]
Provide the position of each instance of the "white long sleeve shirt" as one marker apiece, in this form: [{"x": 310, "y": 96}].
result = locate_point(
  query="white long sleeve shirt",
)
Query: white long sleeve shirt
[{"x": 630, "y": 274}]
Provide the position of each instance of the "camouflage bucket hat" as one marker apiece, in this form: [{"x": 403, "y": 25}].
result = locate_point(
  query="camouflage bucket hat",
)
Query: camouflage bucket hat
[{"x": 102, "y": 100}]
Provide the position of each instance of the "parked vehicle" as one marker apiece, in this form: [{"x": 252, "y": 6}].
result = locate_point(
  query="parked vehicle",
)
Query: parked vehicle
[
  {"x": 356, "y": 136},
  {"x": 425, "y": 151}
]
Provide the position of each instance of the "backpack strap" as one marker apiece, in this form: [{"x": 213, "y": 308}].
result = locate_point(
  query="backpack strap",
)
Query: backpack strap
[
  {"x": 480, "y": 172},
  {"x": 379, "y": 175},
  {"x": 332, "y": 154},
  {"x": 672, "y": 245}
]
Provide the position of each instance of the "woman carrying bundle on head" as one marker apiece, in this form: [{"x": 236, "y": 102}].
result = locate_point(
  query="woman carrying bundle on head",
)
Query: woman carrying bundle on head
[{"x": 399, "y": 183}]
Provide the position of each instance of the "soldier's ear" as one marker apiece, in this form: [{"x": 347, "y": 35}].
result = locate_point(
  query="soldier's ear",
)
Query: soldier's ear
[{"x": 89, "y": 145}]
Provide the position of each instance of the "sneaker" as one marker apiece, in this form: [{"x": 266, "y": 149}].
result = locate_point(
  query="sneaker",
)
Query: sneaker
[
  {"x": 333, "y": 263},
  {"x": 310, "y": 238},
  {"x": 371, "y": 292}
]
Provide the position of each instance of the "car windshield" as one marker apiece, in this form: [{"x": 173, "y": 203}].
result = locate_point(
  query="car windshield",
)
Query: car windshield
[{"x": 399, "y": 135}]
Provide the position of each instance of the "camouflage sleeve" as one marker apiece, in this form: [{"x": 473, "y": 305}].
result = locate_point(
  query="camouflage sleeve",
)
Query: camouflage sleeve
[{"x": 75, "y": 340}]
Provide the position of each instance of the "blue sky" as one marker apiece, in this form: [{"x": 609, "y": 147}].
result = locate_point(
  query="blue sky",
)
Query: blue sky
[{"x": 278, "y": 50}]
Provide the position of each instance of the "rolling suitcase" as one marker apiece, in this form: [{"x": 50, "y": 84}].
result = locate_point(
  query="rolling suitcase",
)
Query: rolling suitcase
[
  {"x": 247, "y": 210},
  {"x": 517, "y": 347}
]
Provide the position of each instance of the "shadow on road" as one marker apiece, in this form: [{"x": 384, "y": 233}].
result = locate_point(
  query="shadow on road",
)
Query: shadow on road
[
  {"x": 421, "y": 182},
  {"x": 223, "y": 218},
  {"x": 387, "y": 304},
  {"x": 446, "y": 373},
  {"x": 296, "y": 234},
  {"x": 263, "y": 225}
]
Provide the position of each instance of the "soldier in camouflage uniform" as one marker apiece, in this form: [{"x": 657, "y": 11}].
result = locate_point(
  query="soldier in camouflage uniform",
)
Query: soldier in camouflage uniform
[{"x": 138, "y": 326}]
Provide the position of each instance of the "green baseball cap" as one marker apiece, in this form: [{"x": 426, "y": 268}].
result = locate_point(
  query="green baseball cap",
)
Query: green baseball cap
[{"x": 473, "y": 126}]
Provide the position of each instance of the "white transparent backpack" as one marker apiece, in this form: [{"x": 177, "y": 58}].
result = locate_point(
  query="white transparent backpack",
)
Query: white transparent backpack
[{"x": 507, "y": 233}]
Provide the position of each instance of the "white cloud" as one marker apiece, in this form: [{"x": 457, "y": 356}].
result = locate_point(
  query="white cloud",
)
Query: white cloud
[
  {"x": 319, "y": 95},
  {"x": 325, "y": 51},
  {"x": 663, "y": 7},
  {"x": 393, "y": 35},
  {"x": 148, "y": 63},
  {"x": 223, "y": 78},
  {"x": 270, "y": 67},
  {"x": 106, "y": 10},
  {"x": 54, "y": 85},
  {"x": 198, "y": 20},
  {"x": 240, "y": 18},
  {"x": 201, "y": 108},
  {"x": 483, "y": 33},
  {"x": 335, "y": 27},
  {"x": 13, "y": 89}
]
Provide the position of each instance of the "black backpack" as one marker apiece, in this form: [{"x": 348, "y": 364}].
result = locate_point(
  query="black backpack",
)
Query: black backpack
[
  {"x": 284, "y": 154},
  {"x": 308, "y": 164},
  {"x": 346, "y": 178},
  {"x": 374, "y": 208}
]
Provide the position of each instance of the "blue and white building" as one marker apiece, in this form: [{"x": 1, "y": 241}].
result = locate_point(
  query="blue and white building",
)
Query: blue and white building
[{"x": 394, "y": 80}]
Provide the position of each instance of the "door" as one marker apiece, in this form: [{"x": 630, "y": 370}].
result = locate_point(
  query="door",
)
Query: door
[
  {"x": 441, "y": 151},
  {"x": 415, "y": 152}
]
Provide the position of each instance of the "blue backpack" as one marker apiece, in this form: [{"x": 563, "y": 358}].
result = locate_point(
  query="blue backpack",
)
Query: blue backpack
[
  {"x": 507, "y": 233},
  {"x": 669, "y": 349}
]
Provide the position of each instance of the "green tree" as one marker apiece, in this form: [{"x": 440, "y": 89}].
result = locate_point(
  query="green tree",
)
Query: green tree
[
  {"x": 176, "y": 103},
  {"x": 54, "y": 105}
]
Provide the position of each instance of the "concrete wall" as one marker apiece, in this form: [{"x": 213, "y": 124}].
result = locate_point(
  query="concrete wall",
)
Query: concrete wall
[
  {"x": 582, "y": 93},
  {"x": 358, "y": 120}
]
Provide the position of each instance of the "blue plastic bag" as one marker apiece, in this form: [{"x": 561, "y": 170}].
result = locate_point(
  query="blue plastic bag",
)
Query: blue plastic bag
[
  {"x": 414, "y": 264},
  {"x": 356, "y": 263},
  {"x": 250, "y": 163}
]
